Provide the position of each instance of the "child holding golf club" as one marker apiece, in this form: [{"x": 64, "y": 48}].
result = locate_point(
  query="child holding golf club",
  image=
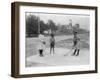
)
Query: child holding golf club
[{"x": 76, "y": 44}]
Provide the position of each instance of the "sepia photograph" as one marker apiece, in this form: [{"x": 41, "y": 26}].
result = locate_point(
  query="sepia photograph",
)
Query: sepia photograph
[{"x": 57, "y": 39}]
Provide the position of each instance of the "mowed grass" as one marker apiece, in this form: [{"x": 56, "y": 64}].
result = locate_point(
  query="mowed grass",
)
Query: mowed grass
[
  {"x": 68, "y": 43},
  {"x": 31, "y": 46}
]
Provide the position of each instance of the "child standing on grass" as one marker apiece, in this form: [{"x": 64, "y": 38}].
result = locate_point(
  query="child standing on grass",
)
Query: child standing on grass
[{"x": 52, "y": 43}]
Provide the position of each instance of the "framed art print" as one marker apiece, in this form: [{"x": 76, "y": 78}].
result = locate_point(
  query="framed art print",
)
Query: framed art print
[{"x": 53, "y": 39}]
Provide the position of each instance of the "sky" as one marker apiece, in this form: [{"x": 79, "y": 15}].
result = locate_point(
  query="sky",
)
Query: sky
[{"x": 64, "y": 19}]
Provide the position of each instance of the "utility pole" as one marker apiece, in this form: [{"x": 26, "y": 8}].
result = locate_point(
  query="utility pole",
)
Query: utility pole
[{"x": 38, "y": 24}]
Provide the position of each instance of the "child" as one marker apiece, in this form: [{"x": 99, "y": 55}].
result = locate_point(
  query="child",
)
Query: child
[
  {"x": 41, "y": 45},
  {"x": 76, "y": 44},
  {"x": 52, "y": 43}
]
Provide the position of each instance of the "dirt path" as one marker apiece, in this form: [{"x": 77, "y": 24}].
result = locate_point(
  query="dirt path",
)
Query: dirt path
[{"x": 58, "y": 59}]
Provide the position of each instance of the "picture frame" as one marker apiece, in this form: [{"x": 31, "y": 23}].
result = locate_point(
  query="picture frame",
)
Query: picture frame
[{"x": 25, "y": 59}]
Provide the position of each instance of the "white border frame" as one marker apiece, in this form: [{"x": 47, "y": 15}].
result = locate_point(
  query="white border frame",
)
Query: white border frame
[{"x": 38, "y": 70}]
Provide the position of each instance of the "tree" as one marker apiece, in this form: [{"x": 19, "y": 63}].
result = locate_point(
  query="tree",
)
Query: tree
[
  {"x": 43, "y": 26},
  {"x": 52, "y": 25},
  {"x": 77, "y": 26},
  {"x": 31, "y": 25}
]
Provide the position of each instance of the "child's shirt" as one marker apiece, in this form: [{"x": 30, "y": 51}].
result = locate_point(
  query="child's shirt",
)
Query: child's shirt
[{"x": 41, "y": 45}]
